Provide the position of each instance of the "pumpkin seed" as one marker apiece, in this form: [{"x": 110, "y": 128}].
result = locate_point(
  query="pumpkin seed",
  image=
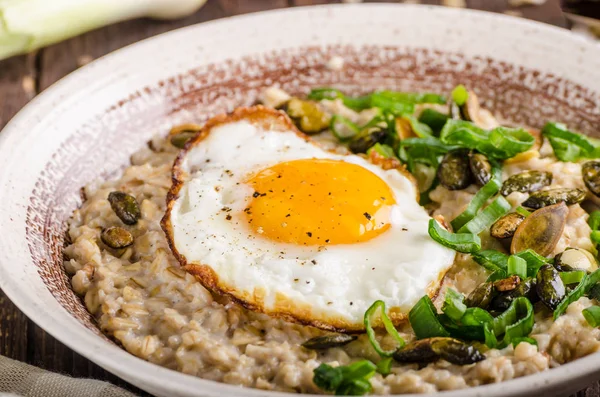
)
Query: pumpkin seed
[
  {"x": 591, "y": 176},
  {"x": 549, "y": 197},
  {"x": 366, "y": 138},
  {"x": 307, "y": 116},
  {"x": 179, "y": 140},
  {"x": 541, "y": 230},
  {"x": 125, "y": 206},
  {"x": 525, "y": 288},
  {"x": 507, "y": 284},
  {"x": 549, "y": 286},
  {"x": 575, "y": 259},
  {"x": 526, "y": 182},
  {"x": 481, "y": 168},
  {"x": 116, "y": 237},
  {"x": 506, "y": 226},
  {"x": 328, "y": 341},
  {"x": 481, "y": 296},
  {"x": 454, "y": 172},
  {"x": 432, "y": 349}
]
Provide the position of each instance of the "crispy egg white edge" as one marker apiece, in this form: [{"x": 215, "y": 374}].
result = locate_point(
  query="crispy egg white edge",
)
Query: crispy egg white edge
[{"x": 333, "y": 293}]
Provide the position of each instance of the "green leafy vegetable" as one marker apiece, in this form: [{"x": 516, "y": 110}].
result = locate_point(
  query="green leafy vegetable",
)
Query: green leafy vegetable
[
  {"x": 461, "y": 242},
  {"x": 568, "y": 146},
  {"x": 589, "y": 281},
  {"x": 592, "y": 315},
  {"x": 594, "y": 220},
  {"x": 517, "y": 265},
  {"x": 500, "y": 143},
  {"x": 424, "y": 319},
  {"x": 351, "y": 380},
  {"x": 515, "y": 322},
  {"x": 595, "y": 236},
  {"x": 387, "y": 323},
  {"x": 484, "y": 219},
  {"x": 454, "y": 306}
]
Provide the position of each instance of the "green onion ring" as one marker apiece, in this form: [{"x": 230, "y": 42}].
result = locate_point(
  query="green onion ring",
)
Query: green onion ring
[
  {"x": 424, "y": 319},
  {"x": 461, "y": 242},
  {"x": 389, "y": 327},
  {"x": 584, "y": 286}
]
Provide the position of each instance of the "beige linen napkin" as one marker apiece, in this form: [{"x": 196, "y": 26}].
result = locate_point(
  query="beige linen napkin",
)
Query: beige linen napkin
[{"x": 20, "y": 379}]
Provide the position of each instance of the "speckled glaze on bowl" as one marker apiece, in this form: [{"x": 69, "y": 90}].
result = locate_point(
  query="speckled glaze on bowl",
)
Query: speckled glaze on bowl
[{"x": 87, "y": 125}]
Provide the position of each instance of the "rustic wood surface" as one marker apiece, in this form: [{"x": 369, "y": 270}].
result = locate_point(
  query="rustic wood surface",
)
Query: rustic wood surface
[{"x": 21, "y": 78}]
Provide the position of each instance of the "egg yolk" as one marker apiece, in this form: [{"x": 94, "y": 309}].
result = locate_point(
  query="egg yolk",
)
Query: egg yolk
[{"x": 319, "y": 202}]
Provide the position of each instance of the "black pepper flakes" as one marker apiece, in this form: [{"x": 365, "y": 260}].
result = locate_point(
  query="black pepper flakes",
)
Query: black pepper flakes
[
  {"x": 256, "y": 194},
  {"x": 367, "y": 215},
  {"x": 228, "y": 217},
  {"x": 309, "y": 234}
]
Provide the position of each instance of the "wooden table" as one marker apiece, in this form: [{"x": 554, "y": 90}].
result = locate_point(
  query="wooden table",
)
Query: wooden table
[{"x": 21, "y": 78}]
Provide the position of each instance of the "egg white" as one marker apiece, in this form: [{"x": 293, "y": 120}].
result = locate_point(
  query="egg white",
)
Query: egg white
[{"x": 330, "y": 286}]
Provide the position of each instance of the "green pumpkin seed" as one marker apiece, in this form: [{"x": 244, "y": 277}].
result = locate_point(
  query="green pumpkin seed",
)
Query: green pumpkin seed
[
  {"x": 116, "y": 237},
  {"x": 553, "y": 196},
  {"x": 179, "y": 140},
  {"x": 575, "y": 259},
  {"x": 525, "y": 288},
  {"x": 506, "y": 226},
  {"x": 366, "y": 138},
  {"x": 526, "y": 182},
  {"x": 125, "y": 206},
  {"x": 591, "y": 176},
  {"x": 481, "y": 296},
  {"x": 432, "y": 349},
  {"x": 454, "y": 172},
  {"x": 481, "y": 168},
  {"x": 549, "y": 286},
  {"x": 328, "y": 341},
  {"x": 307, "y": 116}
]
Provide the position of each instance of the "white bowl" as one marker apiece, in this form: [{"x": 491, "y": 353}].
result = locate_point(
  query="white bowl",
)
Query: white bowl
[{"x": 87, "y": 125}]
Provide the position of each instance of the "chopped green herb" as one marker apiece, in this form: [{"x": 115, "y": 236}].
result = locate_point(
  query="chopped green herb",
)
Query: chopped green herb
[
  {"x": 342, "y": 128},
  {"x": 434, "y": 119},
  {"x": 534, "y": 261},
  {"x": 568, "y": 146},
  {"x": 592, "y": 315},
  {"x": 379, "y": 306},
  {"x": 515, "y": 322},
  {"x": 517, "y": 265},
  {"x": 494, "y": 261},
  {"x": 526, "y": 339},
  {"x": 424, "y": 319},
  {"x": 485, "y": 218},
  {"x": 351, "y": 380},
  {"x": 461, "y": 242},
  {"x": 384, "y": 366},
  {"x": 481, "y": 197},
  {"x": 454, "y": 306},
  {"x": 383, "y": 149},
  {"x": 460, "y": 95},
  {"x": 522, "y": 211},
  {"x": 594, "y": 220},
  {"x": 572, "y": 277},
  {"x": 589, "y": 281}
]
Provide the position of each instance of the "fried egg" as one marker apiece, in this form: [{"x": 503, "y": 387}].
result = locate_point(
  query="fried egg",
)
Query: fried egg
[{"x": 260, "y": 212}]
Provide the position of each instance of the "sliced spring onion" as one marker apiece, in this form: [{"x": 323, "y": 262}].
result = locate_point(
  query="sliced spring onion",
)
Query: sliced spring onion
[
  {"x": 342, "y": 128},
  {"x": 522, "y": 211},
  {"x": 389, "y": 101},
  {"x": 494, "y": 261},
  {"x": 592, "y": 315},
  {"x": 481, "y": 197},
  {"x": 526, "y": 339},
  {"x": 351, "y": 380},
  {"x": 461, "y": 242},
  {"x": 589, "y": 281},
  {"x": 461, "y": 331},
  {"x": 460, "y": 95},
  {"x": 534, "y": 261},
  {"x": 420, "y": 129},
  {"x": 500, "y": 143},
  {"x": 384, "y": 366},
  {"x": 568, "y": 146},
  {"x": 572, "y": 277},
  {"x": 594, "y": 220},
  {"x": 424, "y": 319},
  {"x": 595, "y": 236},
  {"x": 453, "y": 305},
  {"x": 517, "y": 265},
  {"x": 434, "y": 119},
  {"x": 428, "y": 143},
  {"x": 387, "y": 323},
  {"x": 485, "y": 218},
  {"x": 383, "y": 149},
  {"x": 476, "y": 316},
  {"x": 515, "y": 322}
]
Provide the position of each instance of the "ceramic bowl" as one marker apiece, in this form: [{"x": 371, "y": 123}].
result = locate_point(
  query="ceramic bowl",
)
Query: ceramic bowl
[{"x": 86, "y": 126}]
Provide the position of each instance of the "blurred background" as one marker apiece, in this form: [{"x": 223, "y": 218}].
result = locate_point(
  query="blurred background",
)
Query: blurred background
[{"x": 41, "y": 41}]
